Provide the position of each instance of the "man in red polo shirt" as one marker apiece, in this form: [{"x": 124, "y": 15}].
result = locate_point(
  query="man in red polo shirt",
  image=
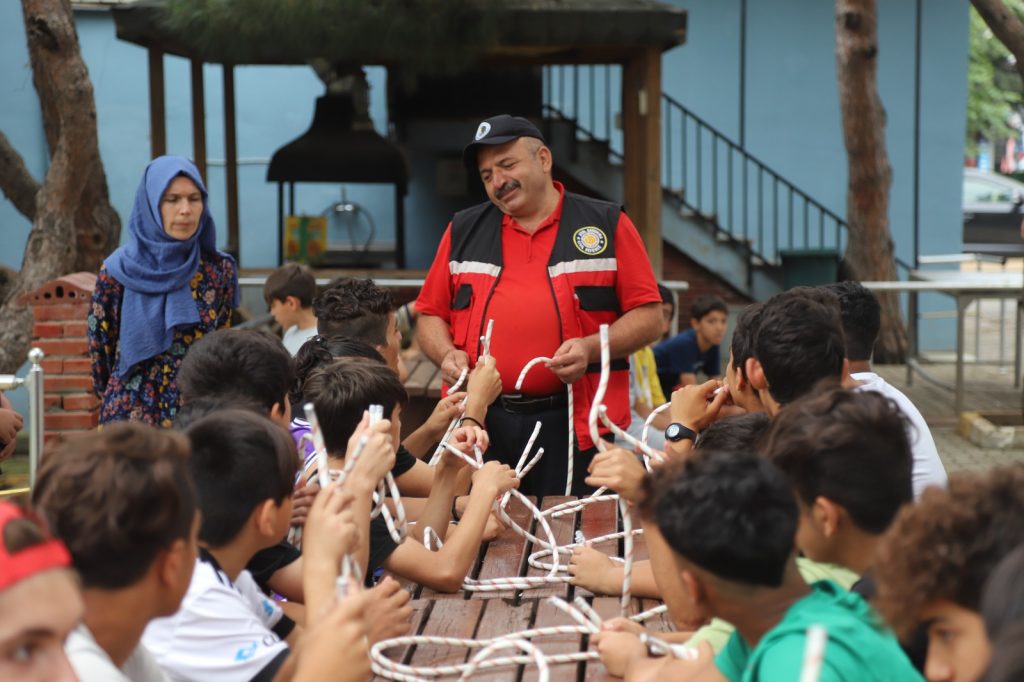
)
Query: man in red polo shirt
[{"x": 549, "y": 267}]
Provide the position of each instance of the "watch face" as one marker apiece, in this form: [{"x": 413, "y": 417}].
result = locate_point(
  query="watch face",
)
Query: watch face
[{"x": 673, "y": 432}]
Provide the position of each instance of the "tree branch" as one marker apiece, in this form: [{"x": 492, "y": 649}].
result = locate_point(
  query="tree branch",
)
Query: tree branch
[
  {"x": 1005, "y": 25},
  {"x": 16, "y": 182}
]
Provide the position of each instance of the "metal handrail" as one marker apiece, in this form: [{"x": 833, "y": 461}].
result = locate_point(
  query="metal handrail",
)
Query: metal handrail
[
  {"x": 34, "y": 382},
  {"x": 768, "y": 213}
]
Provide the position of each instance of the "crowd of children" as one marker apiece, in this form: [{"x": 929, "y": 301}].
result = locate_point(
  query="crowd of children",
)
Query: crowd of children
[{"x": 799, "y": 491}]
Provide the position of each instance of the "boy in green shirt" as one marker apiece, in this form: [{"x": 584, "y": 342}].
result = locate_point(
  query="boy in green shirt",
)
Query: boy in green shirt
[{"x": 719, "y": 529}]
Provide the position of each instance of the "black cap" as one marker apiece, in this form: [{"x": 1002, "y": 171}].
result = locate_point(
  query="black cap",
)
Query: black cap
[{"x": 498, "y": 130}]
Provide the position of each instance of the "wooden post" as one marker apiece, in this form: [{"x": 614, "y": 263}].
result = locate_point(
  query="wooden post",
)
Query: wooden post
[
  {"x": 231, "y": 160},
  {"x": 641, "y": 134},
  {"x": 199, "y": 120},
  {"x": 157, "y": 115}
]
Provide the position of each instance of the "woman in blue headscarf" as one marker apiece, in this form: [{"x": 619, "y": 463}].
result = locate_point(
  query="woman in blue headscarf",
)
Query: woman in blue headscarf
[{"x": 157, "y": 294}]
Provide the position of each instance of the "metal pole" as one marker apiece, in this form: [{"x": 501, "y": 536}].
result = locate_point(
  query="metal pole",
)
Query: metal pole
[
  {"x": 743, "y": 73},
  {"x": 35, "y": 413},
  {"x": 917, "y": 136}
]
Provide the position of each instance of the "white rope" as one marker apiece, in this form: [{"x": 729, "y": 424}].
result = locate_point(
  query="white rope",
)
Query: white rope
[
  {"x": 547, "y": 557},
  {"x": 588, "y": 622},
  {"x": 572, "y": 426},
  {"x": 462, "y": 377}
]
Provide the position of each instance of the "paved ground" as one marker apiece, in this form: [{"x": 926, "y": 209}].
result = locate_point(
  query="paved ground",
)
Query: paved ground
[{"x": 988, "y": 389}]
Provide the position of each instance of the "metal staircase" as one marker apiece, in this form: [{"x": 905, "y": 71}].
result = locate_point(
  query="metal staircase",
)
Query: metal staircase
[{"x": 721, "y": 206}]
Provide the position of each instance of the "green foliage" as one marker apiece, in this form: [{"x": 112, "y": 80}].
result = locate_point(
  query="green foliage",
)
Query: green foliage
[
  {"x": 994, "y": 87},
  {"x": 429, "y": 36}
]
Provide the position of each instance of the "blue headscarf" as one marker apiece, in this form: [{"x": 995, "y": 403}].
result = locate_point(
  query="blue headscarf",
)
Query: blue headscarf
[{"x": 156, "y": 269}]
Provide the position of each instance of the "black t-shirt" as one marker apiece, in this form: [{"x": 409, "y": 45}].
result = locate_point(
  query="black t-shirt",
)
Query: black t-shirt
[
  {"x": 404, "y": 460},
  {"x": 267, "y": 562},
  {"x": 381, "y": 547}
]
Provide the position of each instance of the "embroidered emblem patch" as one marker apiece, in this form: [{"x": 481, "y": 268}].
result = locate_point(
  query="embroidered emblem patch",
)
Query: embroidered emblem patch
[
  {"x": 482, "y": 131},
  {"x": 590, "y": 240}
]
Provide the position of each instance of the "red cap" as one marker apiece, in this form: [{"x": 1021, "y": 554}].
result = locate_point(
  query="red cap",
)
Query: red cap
[{"x": 25, "y": 563}]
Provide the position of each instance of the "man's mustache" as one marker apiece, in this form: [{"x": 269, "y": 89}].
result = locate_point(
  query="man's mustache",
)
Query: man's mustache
[{"x": 506, "y": 188}]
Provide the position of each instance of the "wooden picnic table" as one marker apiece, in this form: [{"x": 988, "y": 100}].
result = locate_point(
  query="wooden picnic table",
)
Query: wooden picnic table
[{"x": 482, "y": 615}]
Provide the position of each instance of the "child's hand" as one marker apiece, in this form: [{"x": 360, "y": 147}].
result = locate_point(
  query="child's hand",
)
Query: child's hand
[
  {"x": 389, "y": 604},
  {"x": 330, "y": 531},
  {"x": 593, "y": 570},
  {"x": 618, "y": 649},
  {"x": 465, "y": 437},
  {"x": 493, "y": 528},
  {"x": 447, "y": 409},
  {"x": 10, "y": 423},
  {"x": 302, "y": 500},
  {"x": 621, "y": 471},
  {"x": 337, "y": 647},
  {"x": 696, "y": 407},
  {"x": 378, "y": 456},
  {"x": 495, "y": 478},
  {"x": 621, "y": 624},
  {"x": 484, "y": 383}
]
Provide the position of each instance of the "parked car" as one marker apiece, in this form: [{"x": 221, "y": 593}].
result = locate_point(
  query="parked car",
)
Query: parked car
[{"x": 993, "y": 215}]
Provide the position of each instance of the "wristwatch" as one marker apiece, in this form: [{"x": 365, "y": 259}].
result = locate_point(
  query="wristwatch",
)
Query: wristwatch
[{"x": 677, "y": 432}]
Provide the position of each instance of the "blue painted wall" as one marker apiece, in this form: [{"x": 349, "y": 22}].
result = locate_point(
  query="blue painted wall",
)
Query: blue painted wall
[
  {"x": 277, "y": 103},
  {"x": 792, "y": 117},
  {"x": 792, "y": 114}
]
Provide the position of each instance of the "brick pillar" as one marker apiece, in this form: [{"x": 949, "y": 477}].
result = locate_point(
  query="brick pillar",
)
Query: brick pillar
[{"x": 60, "y": 309}]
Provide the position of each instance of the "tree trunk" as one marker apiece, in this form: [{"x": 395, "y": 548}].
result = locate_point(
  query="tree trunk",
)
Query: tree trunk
[
  {"x": 70, "y": 187},
  {"x": 869, "y": 252},
  {"x": 1005, "y": 25}
]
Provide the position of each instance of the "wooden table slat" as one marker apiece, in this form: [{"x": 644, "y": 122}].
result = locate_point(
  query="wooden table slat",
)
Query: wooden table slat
[
  {"x": 505, "y": 556},
  {"x": 563, "y": 528},
  {"x": 659, "y": 623},
  {"x": 597, "y": 519},
  {"x": 548, "y": 615},
  {"x": 501, "y": 617},
  {"x": 447, "y": 618}
]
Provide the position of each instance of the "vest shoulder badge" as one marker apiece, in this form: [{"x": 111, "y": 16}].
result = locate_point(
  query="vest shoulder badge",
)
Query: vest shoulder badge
[{"x": 590, "y": 240}]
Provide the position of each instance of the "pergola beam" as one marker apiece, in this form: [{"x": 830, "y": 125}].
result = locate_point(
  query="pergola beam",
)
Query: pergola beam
[{"x": 641, "y": 141}]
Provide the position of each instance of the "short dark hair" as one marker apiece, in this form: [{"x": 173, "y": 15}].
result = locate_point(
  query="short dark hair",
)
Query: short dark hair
[
  {"x": 239, "y": 460},
  {"x": 732, "y": 514},
  {"x": 739, "y": 433},
  {"x": 666, "y": 297},
  {"x": 291, "y": 279},
  {"x": 342, "y": 390},
  {"x": 743, "y": 335},
  {"x": 861, "y": 315},
  {"x": 1002, "y": 600},
  {"x": 799, "y": 343},
  {"x": 1007, "y": 662},
  {"x": 705, "y": 304},
  {"x": 194, "y": 410},
  {"x": 117, "y": 497},
  {"x": 244, "y": 362},
  {"x": 323, "y": 350},
  {"x": 356, "y": 308},
  {"x": 851, "y": 447},
  {"x": 946, "y": 545}
]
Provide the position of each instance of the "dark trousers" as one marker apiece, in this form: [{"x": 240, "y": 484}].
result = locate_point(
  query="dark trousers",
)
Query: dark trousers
[{"x": 509, "y": 433}]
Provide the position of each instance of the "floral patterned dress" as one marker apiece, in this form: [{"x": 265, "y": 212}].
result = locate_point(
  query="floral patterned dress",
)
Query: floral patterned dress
[{"x": 150, "y": 392}]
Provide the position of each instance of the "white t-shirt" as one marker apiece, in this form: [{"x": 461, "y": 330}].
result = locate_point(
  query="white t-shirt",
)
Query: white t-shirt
[
  {"x": 223, "y": 631},
  {"x": 294, "y": 337},
  {"x": 92, "y": 664},
  {"x": 928, "y": 468}
]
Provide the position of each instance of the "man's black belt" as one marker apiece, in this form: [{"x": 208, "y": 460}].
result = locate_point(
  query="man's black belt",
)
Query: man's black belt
[{"x": 527, "y": 404}]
